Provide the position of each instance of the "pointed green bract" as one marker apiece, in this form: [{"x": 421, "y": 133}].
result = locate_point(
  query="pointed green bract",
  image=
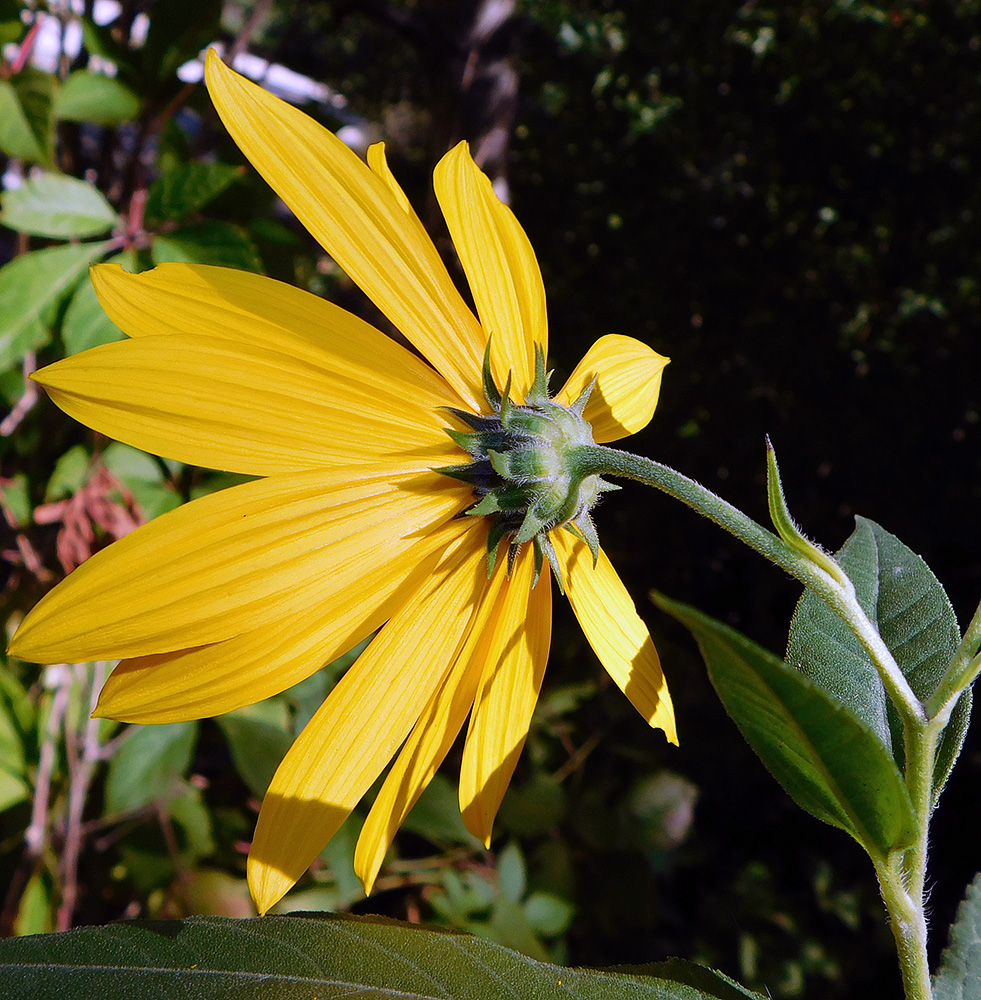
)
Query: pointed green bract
[
  {"x": 827, "y": 759},
  {"x": 787, "y": 528},
  {"x": 526, "y": 473}
]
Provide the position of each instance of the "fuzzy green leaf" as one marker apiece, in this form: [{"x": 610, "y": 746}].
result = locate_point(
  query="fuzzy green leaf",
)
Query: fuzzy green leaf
[
  {"x": 32, "y": 287},
  {"x": 959, "y": 975},
  {"x": 299, "y": 957},
  {"x": 827, "y": 759},
  {"x": 903, "y": 598},
  {"x": 58, "y": 207}
]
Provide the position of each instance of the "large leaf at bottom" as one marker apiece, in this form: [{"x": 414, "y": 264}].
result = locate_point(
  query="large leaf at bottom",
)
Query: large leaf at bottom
[
  {"x": 827, "y": 760},
  {"x": 296, "y": 958},
  {"x": 959, "y": 975}
]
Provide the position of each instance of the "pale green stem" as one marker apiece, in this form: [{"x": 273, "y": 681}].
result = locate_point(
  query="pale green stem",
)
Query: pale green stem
[
  {"x": 921, "y": 748},
  {"x": 908, "y": 924},
  {"x": 841, "y": 598},
  {"x": 961, "y": 673}
]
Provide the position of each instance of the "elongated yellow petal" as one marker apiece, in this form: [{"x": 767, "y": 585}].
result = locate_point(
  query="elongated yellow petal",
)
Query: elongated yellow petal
[
  {"x": 615, "y": 631},
  {"x": 256, "y": 310},
  {"x": 628, "y": 382},
  {"x": 500, "y": 266},
  {"x": 232, "y": 561},
  {"x": 513, "y": 668},
  {"x": 218, "y": 678},
  {"x": 356, "y": 732},
  {"x": 243, "y": 408},
  {"x": 431, "y": 738},
  {"x": 378, "y": 162},
  {"x": 358, "y": 220}
]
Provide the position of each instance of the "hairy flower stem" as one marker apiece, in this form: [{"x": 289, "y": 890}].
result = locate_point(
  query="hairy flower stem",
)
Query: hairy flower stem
[
  {"x": 901, "y": 874},
  {"x": 841, "y": 598}
]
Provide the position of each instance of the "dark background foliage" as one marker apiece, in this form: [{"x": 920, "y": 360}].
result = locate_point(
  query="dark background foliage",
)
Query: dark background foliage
[{"x": 783, "y": 198}]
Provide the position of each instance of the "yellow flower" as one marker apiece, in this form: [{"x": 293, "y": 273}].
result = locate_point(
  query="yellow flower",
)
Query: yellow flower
[{"x": 351, "y": 528}]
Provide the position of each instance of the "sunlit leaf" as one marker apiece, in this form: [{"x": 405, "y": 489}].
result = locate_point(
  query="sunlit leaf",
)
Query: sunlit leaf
[
  {"x": 32, "y": 287},
  {"x": 95, "y": 98},
  {"x": 58, "y": 207}
]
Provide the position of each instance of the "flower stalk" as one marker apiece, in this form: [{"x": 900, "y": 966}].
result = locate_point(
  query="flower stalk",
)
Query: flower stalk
[{"x": 833, "y": 587}]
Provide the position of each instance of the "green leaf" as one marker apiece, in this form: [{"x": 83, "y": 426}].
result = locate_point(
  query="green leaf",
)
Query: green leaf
[
  {"x": 17, "y": 499},
  {"x": 58, "y": 207},
  {"x": 70, "y": 472},
  {"x": 36, "y": 910},
  {"x": 256, "y": 748},
  {"x": 296, "y": 958},
  {"x": 26, "y": 122},
  {"x": 436, "y": 816},
  {"x": 85, "y": 323},
  {"x": 149, "y": 766},
  {"x": 143, "y": 476},
  {"x": 827, "y": 760},
  {"x": 187, "y": 188},
  {"x": 218, "y": 243},
  {"x": 903, "y": 598},
  {"x": 95, "y": 98},
  {"x": 13, "y": 760},
  {"x": 32, "y": 287},
  {"x": 959, "y": 975}
]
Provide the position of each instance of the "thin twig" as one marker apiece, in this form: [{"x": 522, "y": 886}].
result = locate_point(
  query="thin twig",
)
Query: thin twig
[
  {"x": 28, "y": 398},
  {"x": 36, "y": 835},
  {"x": 81, "y": 768}
]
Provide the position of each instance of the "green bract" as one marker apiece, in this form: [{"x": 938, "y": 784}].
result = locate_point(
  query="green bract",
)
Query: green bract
[{"x": 527, "y": 471}]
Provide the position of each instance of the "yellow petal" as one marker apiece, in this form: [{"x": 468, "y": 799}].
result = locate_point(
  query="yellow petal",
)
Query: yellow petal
[
  {"x": 244, "y": 408},
  {"x": 378, "y": 162},
  {"x": 431, "y": 738},
  {"x": 513, "y": 667},
  {"x": 357, "y": 730},
  {"x": 628, "y": 381},
  {"x": 232, "y": 561},
  {"x": 358, "y": 220},
  {"x": 253, "y": 309},
  {"x": 500, "y": 266},
  {"x": 218, "y": 678},
  {"x": 615, "y": 631}
]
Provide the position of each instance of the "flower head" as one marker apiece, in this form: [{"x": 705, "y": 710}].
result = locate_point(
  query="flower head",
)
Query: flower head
[{"x": 354, "y": 524}]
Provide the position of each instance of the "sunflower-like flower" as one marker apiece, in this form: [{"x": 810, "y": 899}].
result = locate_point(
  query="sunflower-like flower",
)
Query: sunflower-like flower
[{"x": 356, "y": 523}]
